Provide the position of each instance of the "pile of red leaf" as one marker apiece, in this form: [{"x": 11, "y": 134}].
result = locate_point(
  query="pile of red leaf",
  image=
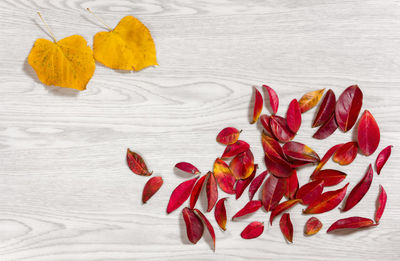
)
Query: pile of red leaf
[{"x": 235, "y": 170}]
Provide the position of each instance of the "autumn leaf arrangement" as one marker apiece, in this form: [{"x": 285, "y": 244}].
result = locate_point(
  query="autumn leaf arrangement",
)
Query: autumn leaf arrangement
[
  {"x": 70, "y": 62},
  {"x": 235, "y": 170}
]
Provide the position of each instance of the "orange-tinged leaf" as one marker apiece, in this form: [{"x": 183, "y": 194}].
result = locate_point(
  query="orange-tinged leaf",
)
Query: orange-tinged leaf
[
  {"x": 242, "y": 165},
  {"x": 207, "y": 223},
  {"x": 278, "y": 167},
  {"x": 368, "y": 135},
  {"x": 220, "y": 213},
  {"x": 256, "y": 184},
  {"x": 129, "y": 46},
  {"x": 224, "y": 176},
  {"x": 326, "y": 109},
  {"x": 348, "y": 107},
  {"x": 194, "y": 196},
  {"x": 286, "y": 227},
  {"x": 151, "y": 187},
  {"x": 273, "y": 98},
  {"x": 325, "y": 159},
  {"x": 327, "y": 201},
  {"x": 310, "y": 99},
  {"x": 299, "y": 151},
  {"x": 293, "y": 116},
  {"x": 382, "y": 158},
  {"x": 380, "y": 206},
  {"x": 327, "y": 129},
  {"x": 234, "y": 149},
  {"x": 250, "y": 207},
  {"x": 228, "y": 135},
  {"x": 180, "y": 194},
  {"x": 310, "y": 192},
  {"x": 280, "y": 128},
  {"x": 187, "y": 167},
  {"x": 194, "y": 225},
  {"x": 258, "y": 105},
  {"x": 351, "y": 222},
  {"x": 282, "y": 207},
  {"x": 272, "y": 192},
  {"x": 137, "y": 164},
  {"x": 313, "y": 226},
  {"x": 253, "y": 230},
  {"x": 346, "y": 153},
  {"x": 211, "y": 191},
  {"x": 331, "y": 177},
  {"x": 291, "y": 186},
  {"x": 66, "y": 63},
  {"x": 242, "y": 184},
  {"x": 359, "y": 191}
]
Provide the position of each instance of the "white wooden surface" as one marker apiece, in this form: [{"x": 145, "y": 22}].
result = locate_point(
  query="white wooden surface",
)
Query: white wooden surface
[{"x": 65, "y": 190}]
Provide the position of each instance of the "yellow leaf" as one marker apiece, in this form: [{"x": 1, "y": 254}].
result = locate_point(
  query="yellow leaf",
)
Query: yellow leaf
[
  {"x": 128, "y": 47},
  {"x": 67, "y": 63}
]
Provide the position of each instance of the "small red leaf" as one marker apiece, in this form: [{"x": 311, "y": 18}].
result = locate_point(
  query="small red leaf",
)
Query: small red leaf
[
  {"x": 253, "y": 230},
  {"x": 368, "y": 136},
  {"x": 327, "y": 201},
  {"x": 242, "y": 184},
  {"x": 382, "y": 158},
  {"x": 180, "y": 194},
  {"x": 310, "y": 99},
  {"x": 220, "y": 213},
  {"x": 207, "y": 223},
  {"x": 325, "y": 159},
  {"x": 282, "y": 207},
  {"x": 228, "y": 136},
  {"x": 242, "y": 165},
  {"x": 194, "y": 225},
  {"x": 331, "y": 177},
  {"x": 273, "y": 99},
  {"x": 272, "y": 192},
  {"x": 211, "y": 191},
  {"x": 151, "y": 187},
  {"x": 291, "y": 186},
  {"x": 137, "y": 164},
  {"x": 264, "y": 119},
  {"x": 326, "y": 109},
  {"x": 313, "y": 226},
  {"x": 224, "y": 176},
  {"x": 348, "y": 107},
  {"x": 187, "y": 167},
  {"x": 235, "y": 148},
  {"x": 310, "y": 192},
  {"x": 351, "y": 222},
  {"x": 327, "y": 129},
  {"x": 359, "y": 191},
  {"x": 196, "y": 191},
  {"x": 299, "y": 151},
  {"x": 346, "y": 153},
  {"x": 382, "y": 198},
  {"x": 258, "y": 105},
  {"x": 286, "y": 227},
  {"x": 256, "y": 184},
  {"x": 280, "y": 128},
  {"x": 293, "y": 116},
  {"x": 278, "y": 167},
  {"x": 250, "y": 207}
]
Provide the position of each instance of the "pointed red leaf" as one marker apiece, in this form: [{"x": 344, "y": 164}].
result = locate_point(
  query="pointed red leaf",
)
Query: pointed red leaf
[
  {"x": 180, "y": 194},
  {"x": 359, "y": 191},
  {"x": 293, "y": 116},
  {"x": 220, "y": 213},
  {"x": 224, "y": 176},
  {"x": 207, "y": 223},
  {"x": 348, "y": 107},
  {"x": 278, "y": 167},
  {"x": 313, "y": 226},
  {"x": 331, "y": 177},
  {"x": 194, "y": 196},
  {"x": 250, "y": 207},
  {"x": 151, "y": 187},
  {"x": 137, "y": 164},
  {"x": 382, "y": 158},
  {"x": 242, "y": 165},
  {"x": 327, "y": 201},
  {"x": 282, "y": 207},
  {"x": 280, "y": 129},
  {"x": 325, "y": 159},
  {"x": 271, "y": 146},
  {"x": 187, "y": 167},
  {"x": 258, "y": 105},
  {"x": 351, "y": 222},
  {"x": 256, "y": 184},
  {"x": 291, "y": 186},
  {"x": 382, "y": 198},
  {"x": 286, "y": 227},
  {"x": 273, "y": 99},
  {"x": 310, "y": 192},
  {"x": 299, "y": 151},
  {"x": 272, "y": 192},
  {"x": 327, "y": 129},
  {"x": 253, "y": 230},
  {"x": 368, "y": 135},
  {"x": 310, "y": 99},
  {"x": 242, "y": 184},
  {"x": 264, "y": 119},
  {"x": 326, "y": 109},
  {"x": 346, "y": 153},
  {"x": 211, "y": 191},
  {"x": 235, "y": 148},
  {"x": 227, "y": 136},
  {"x": 194, "y": 225}
]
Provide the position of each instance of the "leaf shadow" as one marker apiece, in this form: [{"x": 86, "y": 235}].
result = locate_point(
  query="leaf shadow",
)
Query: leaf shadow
[
  {"x": 115, "y": 70},
  {"x": 348, "y": 231},
  {"x": 251, "y": 105},
  {"x": 28, "y": 70},
  {"x": 181, "y": 174},
  {"x": 182, "y": 230},
  {"x": 266, "y": 100}
]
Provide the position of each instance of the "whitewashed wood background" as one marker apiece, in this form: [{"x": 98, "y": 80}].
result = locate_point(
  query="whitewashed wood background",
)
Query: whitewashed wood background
[{"x": 65, "y": 190}]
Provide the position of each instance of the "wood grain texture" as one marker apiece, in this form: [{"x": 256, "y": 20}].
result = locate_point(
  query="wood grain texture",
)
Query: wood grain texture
[{"x": 65, "y": 190}]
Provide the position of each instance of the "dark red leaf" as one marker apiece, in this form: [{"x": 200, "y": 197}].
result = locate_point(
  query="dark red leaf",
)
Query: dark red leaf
[
  {"x": 187, "y": 167},
  {"x": 151, "y": 187},
  {"x": 368, "y": 135},
  {"x": 250, "y": 207},
  {"x": 180, "y": 194},
  {"x": 382, "y": 198},
  {"x": 272, "y": 192},
  {"x": 137, "y": 164},
  {"x": 273, "y": 99},
  {"x": 382, "y": 158},
  {"x": 278, "y": 167},
  {"x": 253, "y": 230},
  {"x": 293, "y": 116},
  {"x": 327, "y": 129},
  {"x": 211, "y": 191},
  {"x": 280, "y": 129},
  {"x": 235, "y": 148},
  {"x": 271, "y": 146},
  {"x": 194, "y": 225},
  {"x": 331, "y": 177},
  {"x": 348, "y": 107},
  {"x": 299, "y": 151},
  {"x": 327, "y": 201},
  {"x": 291, "y": 186},
  {"x": 286, "y": 227},
  {"x": 310, "y": 192},
  {"x": 194, "y": 196},
  {"x": 326, "y": 109},
  {"x": 227, "y": 136},
  {"x": 256, "y": 183},
  {"x": 207, "y": 223},
  {"x": 359, "y": 191},
  {"x": 351, "y": 222},
  {"x": 264, "y": 119}
]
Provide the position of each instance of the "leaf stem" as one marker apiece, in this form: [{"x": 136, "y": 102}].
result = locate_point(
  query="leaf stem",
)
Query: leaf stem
[
  {"x": 99, "y": 19},
  {"x": 48, "y": 27}
]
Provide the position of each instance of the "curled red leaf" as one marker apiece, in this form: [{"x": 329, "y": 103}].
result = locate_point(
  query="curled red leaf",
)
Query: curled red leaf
[
  {"x": 256, "y": 184},
  {"x": 351, "y": 222},
  {"x": 310, "y": 99},
  {"x": 282, "y": 207},
  {"x": 194, "y": 225},
  {"x": 310, "y": 192},
  {"x": 151, "y": 187},
  {"x": 220, "y": 213},
  {"x": 228, "y": 135},
  {"x": 250, "y": 207},
  {"x": 242, "y": 165},
  {"x": 368, "y": 134},
  {"x": 331, "y": 177},
  {"x": 258, "y": 105},
  {"x": 278, "y": 167},
  {"x": 253, "y": 230},
  {"x": 211, "y": 191},
  {"x": 382, "y": 158},
  {"x": 327, "y": 201},
  {"x": 325, "y": 159},
  {"x": 299, "y": 151},
  {"x": 348, "y": 107},
  {"x": 346, "y": 153},
  {"x": 327, "y": 129},
  {"x": 264, "y": 119},
  {"x": 273, "y": 98},
  {"x": 180, "y": 194},
  {"x": 380, "y": 206},
  {"x": 235, "y": 148},
  {"x": 224, "y": 176},
  {"x": 137, "y": 164},
  {"x": 326, "y": 109},
  {"x": 286, "y": 227},
  {"x": 207, "y": 223},
  {"x": 242, "y": 184},
  {"x": 291, "y": 186},
  {"x": 187, "y": 167},
  {"x": 313, "y": 226},
  {"x": 194, "y": 196},
  {"x": 293, "y": 116},
  {"x": 280, "y": 128},
  {"x": 272, "y": 192}
]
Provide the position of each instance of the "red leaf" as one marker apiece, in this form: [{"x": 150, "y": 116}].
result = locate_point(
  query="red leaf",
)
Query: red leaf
[
  {"x": 224, "y": 176},
  {"x": 220, "y": 213},
  {"x": 282, "y": 207},
  {"x": 253, "y": 230},
  {"x": 211, "y": 191},
  {"x": 293, "y": 116},
  {"x": 235, "y": 148},
  {"x": 382, "y": 158},
  {"x": 382, "y": 198},
  {"x": 310, "y": 192},
  {"x": 151, "y": 187},
  {"x": 242, "y": 184},
  {"x": 331, "y": 177},
  {"x": 348, "y": 107},
  {"x": 273, "y": 99},
  {"x": 327, "y": 201},
  {"x": 258, "y": 105},
  {"x": 310, "y": 99},
  {"x": 351, "y": 222},
  {"x": 346, "y": 153},
  {"x": 242, "y": 166},
  {"x": 368, "y": 134},
  {"x": 250, "y": 207},
  {"x": 291, "y": 186},
  {"x": 325, "y": 159},
  {"x": 299, "y": 151},
  {"x": 286, "y": 227},
  {"x": 359, "y": 190},
  {"x": 327, "y": 129},
  {"x": 313, "y": 226},
  {"x": 180, "y": 194},
  {"x": 271, "y": 146},
  {"x": 272, "y": 192},
  {"x": 207, "y": 223},
  {"x": 264, "y": 119},
  {"x": 326, "y": 109},
  {"x": 194, "y": 226},
  {"x": 196, "y": 191},
  {"x": 278, "y": 167},
  {"x": 280, "y": 129},
  {"x": 136, "y": 164},
  {"x": 187, "y": 167},
  {"x": 256, "y": 183},
  {"x": 228, "y": 136}
]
